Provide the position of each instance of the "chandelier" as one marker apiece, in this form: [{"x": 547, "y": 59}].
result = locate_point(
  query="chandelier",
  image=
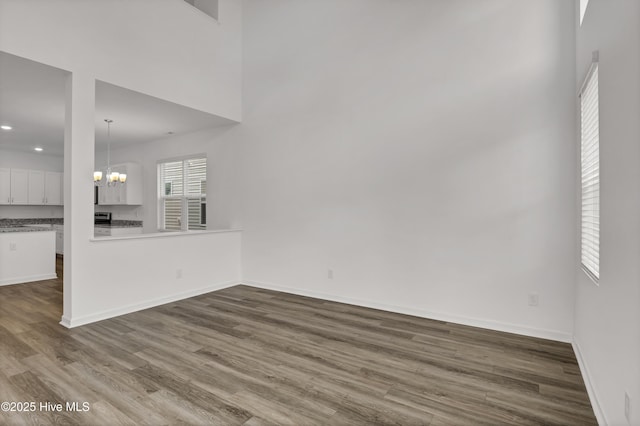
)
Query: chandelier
[{"x": 112, "y": 178}]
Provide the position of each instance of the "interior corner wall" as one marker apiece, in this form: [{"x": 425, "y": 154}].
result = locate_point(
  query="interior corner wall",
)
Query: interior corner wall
[
  {"x": 163, "y": 48},
  {"x": 106, "y": 277},
  {"x": 607, "y": 315},
  {"x": 424, "y": 152}
]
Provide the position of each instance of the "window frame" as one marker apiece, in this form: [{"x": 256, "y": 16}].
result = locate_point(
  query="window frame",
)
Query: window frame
[
  {"x": 586, "y": 250},
  {"x": 184, "y": 198}
]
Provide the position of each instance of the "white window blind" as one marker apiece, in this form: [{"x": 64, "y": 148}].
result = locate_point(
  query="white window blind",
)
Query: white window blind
[
  {"x": 196, "y": 171},
  {"x": 182, "y": 189},
  {"x": 590, "y": 164}
]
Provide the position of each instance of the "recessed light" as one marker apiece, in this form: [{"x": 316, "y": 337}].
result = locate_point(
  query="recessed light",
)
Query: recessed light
[
  {"x": 5, "y": 127},
  {"x": 170, "y": 133},
  {"x": 38, "y": 149}
]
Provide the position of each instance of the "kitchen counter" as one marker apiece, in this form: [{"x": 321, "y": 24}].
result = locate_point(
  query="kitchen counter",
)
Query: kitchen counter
[
  {"x": 27, "y": 254},
  {"x": 19, "y": 228},
  {"x": 31, "y": 221},
  {"x": 162, "y": 234},
  {"x": 120, "y": 224}
]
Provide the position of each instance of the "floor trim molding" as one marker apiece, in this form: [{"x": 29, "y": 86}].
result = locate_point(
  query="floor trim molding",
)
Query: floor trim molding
[
  {"x": 65, "y": 322},
  {"x": 473, "y": 322},
  {"x": 71, "y": 322},
  {"x": 588, "y": 383},
  {"x": 28, "y": 279}
]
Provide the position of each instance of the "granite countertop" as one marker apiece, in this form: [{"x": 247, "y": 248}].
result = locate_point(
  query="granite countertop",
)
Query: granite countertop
[
  {"x": 17, "y": 225},
  {"x": 19, "y": 228},
  {"x": 121, "y": 224},
  {"x": 32, "y": 221}
]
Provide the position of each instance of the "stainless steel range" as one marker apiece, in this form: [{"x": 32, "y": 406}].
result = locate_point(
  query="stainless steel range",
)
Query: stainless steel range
[{"x": 102, "y": 218}]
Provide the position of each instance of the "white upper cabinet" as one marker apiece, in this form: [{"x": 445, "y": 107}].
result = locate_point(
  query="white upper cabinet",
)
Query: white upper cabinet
[
  {"x": 53, "y": 188},
  {"x": 129, "y": 193},
  {"x": 5, "y": 186},
  {"x": 19, "y": 186},
  {"x": 36, "y": 187},
  {"x": 45, "y": 188},
  {"x": 30, "y": 187}
]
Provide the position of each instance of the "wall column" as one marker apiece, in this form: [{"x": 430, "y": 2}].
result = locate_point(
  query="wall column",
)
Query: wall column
[{"x": 79, "y": 148}]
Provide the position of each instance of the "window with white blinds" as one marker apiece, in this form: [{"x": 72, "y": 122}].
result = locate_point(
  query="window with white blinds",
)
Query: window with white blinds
[
  {"x": 182, "y": 195},
  {"x": 590, "y": 164}
]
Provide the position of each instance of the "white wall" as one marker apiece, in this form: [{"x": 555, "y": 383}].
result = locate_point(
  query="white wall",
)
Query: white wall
[
  {"x": 164, "y": 48},
  {"x": 607, "y": 319},
  {"x": 210, "y": 7},
  {"x": 35, "y": 161},
  {"x": 122, "y": 276},
  {"x": 222, "y": 182},
  {"x": 104, "y": 278},
  {"x": 424, "y": 151},
  {"x": 23, "y": 160}
]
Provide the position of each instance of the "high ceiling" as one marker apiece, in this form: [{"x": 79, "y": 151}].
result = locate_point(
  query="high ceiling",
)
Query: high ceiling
[{"x": 32, "y": 102}]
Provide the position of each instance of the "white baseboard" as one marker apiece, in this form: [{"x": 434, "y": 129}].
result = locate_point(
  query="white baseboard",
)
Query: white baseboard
[
  {"x": 65, "y": 322},
  {"x": 473, "y": 322},
  {"x": 586, "y": 376},
  {"x": 87, "y": 319},
  {"x": 27, "y": 279}
]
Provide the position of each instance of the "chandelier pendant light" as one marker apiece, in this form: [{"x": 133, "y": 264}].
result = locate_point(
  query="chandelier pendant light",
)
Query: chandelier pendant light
[{"x": 112, "y": 178}]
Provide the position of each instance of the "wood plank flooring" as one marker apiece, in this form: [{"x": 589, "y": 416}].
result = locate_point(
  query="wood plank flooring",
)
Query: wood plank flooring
[{"x": 245, "y": 356}]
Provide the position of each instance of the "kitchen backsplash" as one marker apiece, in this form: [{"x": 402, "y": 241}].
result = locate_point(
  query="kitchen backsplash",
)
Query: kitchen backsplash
[
  {"x": 19, "y": 212},
  {"x": 122, "y": 212}
]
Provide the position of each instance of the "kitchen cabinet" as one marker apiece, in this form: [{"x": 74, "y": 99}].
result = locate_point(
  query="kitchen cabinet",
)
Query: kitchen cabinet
[
  {"x": 59, "y": 235},
  {"x": 5, "y": 186},
  {"x": 36, "y": 187},
  {"x": 110, "y": 195},
  {"x": 129, "y": 193},
  {"x": 27, "y": 255},
  {"x": 106, "y": 231},
  {"x": 101, "y": 232},
  {"x": 59, "y": 238},
  {"x": 45, "y": 188},
  {"x": 19, "y": 186},
  {"x": 53, "y": 188},
  {"x": 30, "y": 187}
]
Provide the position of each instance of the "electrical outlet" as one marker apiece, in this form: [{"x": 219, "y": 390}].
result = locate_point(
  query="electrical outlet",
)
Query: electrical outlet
[
  {"x": 178, "y": 273},
  {"x": 330, "y": 274},
  {"x": 13, "y": 247},
  {"x": 533, "y": 299},
  {"x": 627, "y": 407}
]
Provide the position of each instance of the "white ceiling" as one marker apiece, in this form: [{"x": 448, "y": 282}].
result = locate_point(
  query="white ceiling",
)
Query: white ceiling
[{"x": 32, "y": 102}]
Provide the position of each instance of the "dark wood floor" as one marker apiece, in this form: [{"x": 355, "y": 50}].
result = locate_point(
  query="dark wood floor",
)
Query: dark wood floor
[{"x": 256, "y": 357}]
